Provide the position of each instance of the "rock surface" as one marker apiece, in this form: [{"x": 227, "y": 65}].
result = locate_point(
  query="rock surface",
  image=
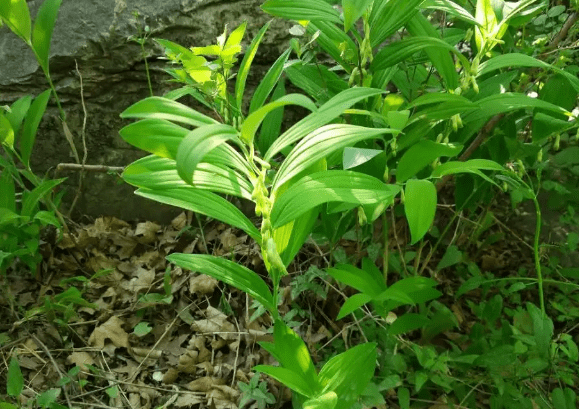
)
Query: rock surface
[{"x": 93, "y": 36}]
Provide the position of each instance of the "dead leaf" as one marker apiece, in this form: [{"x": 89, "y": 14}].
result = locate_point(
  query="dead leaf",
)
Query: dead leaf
[
  {"x": 80, "y": 359},
  {"x": 204, "y": 384},
  {"x": 112, "y": 330},
  {"x": 202, "y": 284}
]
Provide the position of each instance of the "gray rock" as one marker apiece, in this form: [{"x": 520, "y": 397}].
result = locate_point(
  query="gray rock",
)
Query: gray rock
[{"x": 94, "y": 35}]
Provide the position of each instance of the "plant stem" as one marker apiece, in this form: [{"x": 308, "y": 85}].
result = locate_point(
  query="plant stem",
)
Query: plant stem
[
  {"x": 386, "y": 252},
  {"x": 147, "y": 68},
  {"x": 537, "y": 256}
]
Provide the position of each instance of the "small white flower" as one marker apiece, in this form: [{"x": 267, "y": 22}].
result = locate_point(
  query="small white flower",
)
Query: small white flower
[{"x": 532, "y": 94}]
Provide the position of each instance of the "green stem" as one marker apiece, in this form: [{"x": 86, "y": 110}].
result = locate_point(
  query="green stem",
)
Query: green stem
[
  {"x": 386, "y": 253},
  {"x": 147, "y": 68},
  {"x": 537, "y": 255}
]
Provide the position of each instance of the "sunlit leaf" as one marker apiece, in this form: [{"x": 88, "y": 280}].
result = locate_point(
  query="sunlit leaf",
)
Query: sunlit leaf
[
  {"x": 330, "y": 186},
  {"x": 321, "y": 143},
  {"x": 229, "y": 272},
  {"x": 16, "y": 15},
  {"x": 310, "y": 10},
  {"x": 326, "y": 113},
  {"x": 268, "y": 82},
  {"x": 164, "y": 108},
  {"x": 42, "y": 31},
  {"x": 203, "y": 202},
  {"x": 246, "y": 64},
  {"x": 420, "y": 155}
]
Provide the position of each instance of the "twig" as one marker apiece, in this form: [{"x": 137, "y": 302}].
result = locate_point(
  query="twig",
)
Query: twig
[
  {"x": 83, "y": 137},
  {"x": 89, "y": 168},
  {"x": 478, "y": 141},
  {"x": 571, "y": 20},
  {"x": 60, "y": 373}
]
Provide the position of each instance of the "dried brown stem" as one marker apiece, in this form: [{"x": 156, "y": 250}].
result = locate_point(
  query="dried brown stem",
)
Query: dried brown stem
[
  {"x": 475, "y": 144},
  {"x": 88, "y": 168}
]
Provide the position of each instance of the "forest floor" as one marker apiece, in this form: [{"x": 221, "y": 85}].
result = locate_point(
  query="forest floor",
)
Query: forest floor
[{"x": 108, "y": 322}]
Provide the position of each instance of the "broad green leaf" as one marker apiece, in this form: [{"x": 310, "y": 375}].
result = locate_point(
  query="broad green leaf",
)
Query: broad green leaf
[
  {"x": 440, "y": 59},
  {"x": 522, "y": 60},
  {"x": 199, "y": 143},
  {"x": 348, "y": 374},
  {"x": 319, "y": 144},
  {"x": 162, "y": 138},
  {"x": 16, "y": 15},
  {"x": 246, "y": 64},
  {"x": 545, "y": 126},
  {"x": 357, "y": 156},
  {"x": 359, "y": 279},
  {"x": 452, "y": 256},
  {"x": 7, "y": 191},
  {"x": 32, "y": 198},
  {"x": 268, "y": 82},
  {"x": 254, "y": 120},
  {"x": 326, "y": 113},
  {"x": 389, "y": 16},
  {"x": 292, "y": 353},
  {"x": 42, "y": 31},
  {"x": 332, "y": 40},
  {"x": 203, "y": 202},
  {"x": 157, "y": 136},
  {"x": 30, "y": 126},
  {"x": 507, "y": 102},
  {"x": 290, "y": 237},
  {"x": 6, "y": 132},
  {"x": 326, "y": 401},
  {"x": 18, "y": 112},
  {"x": 15, "y": 381},
  {"x": 542, "y": 329},
  {"x": 398, "y": 51},
  {"x": 160, "y": 173},
  {"x": 451, "y": 8},
  {"x": 6, "y": 405},
  {"x": 404, "y": 398},
  {"x": 453, "y": 167},
  {"x": 309, "y": 10},
  {"x": 47, "y": 218},
  {"x": 234, "y": 39},
  {"x": 398, "y": 119},
  {"x": 353, "y": 10},
  {"x": 420, "y": 155},
  {"x": 229, "y": 272},
  {"x": 329, "y": 186},
  {"x": 439, "y": 97},
  {"x": 287, "y": 377},
  {"x": 271, "y": 129},
  {"x": 317, "y": 81},
  {"x": 419, "y": 207},
  {"x": 353, "y": 303},
  {"x": 408, "y": 322},
  {"x": 164, "y": 108},
  {"x": 488, "y": 22}
]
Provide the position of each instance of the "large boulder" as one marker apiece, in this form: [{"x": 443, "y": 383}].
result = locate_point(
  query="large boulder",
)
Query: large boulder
[{"x": 94, "y": 36}]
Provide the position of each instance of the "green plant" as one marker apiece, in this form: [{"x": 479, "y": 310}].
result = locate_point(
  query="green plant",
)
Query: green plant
[
  {"x": 21, "y": 191},
  {"x": 47, "y": 399},
  {"x": 255, "y": 391},
  {"x": 143, "y": 33},
  {"x": 291, "y": 176}
]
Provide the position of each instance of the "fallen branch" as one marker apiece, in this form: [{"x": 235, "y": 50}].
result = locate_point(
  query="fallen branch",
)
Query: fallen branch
[{"x": 89, "y": 168}]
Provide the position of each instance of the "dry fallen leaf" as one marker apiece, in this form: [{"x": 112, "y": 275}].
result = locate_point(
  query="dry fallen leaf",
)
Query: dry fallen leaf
[
  {"x": 205, "y": 383},
  {"x": 202, "y": 284},
  {"x": 112, "y": 330},
  {"x": 81, "y": 359}
]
